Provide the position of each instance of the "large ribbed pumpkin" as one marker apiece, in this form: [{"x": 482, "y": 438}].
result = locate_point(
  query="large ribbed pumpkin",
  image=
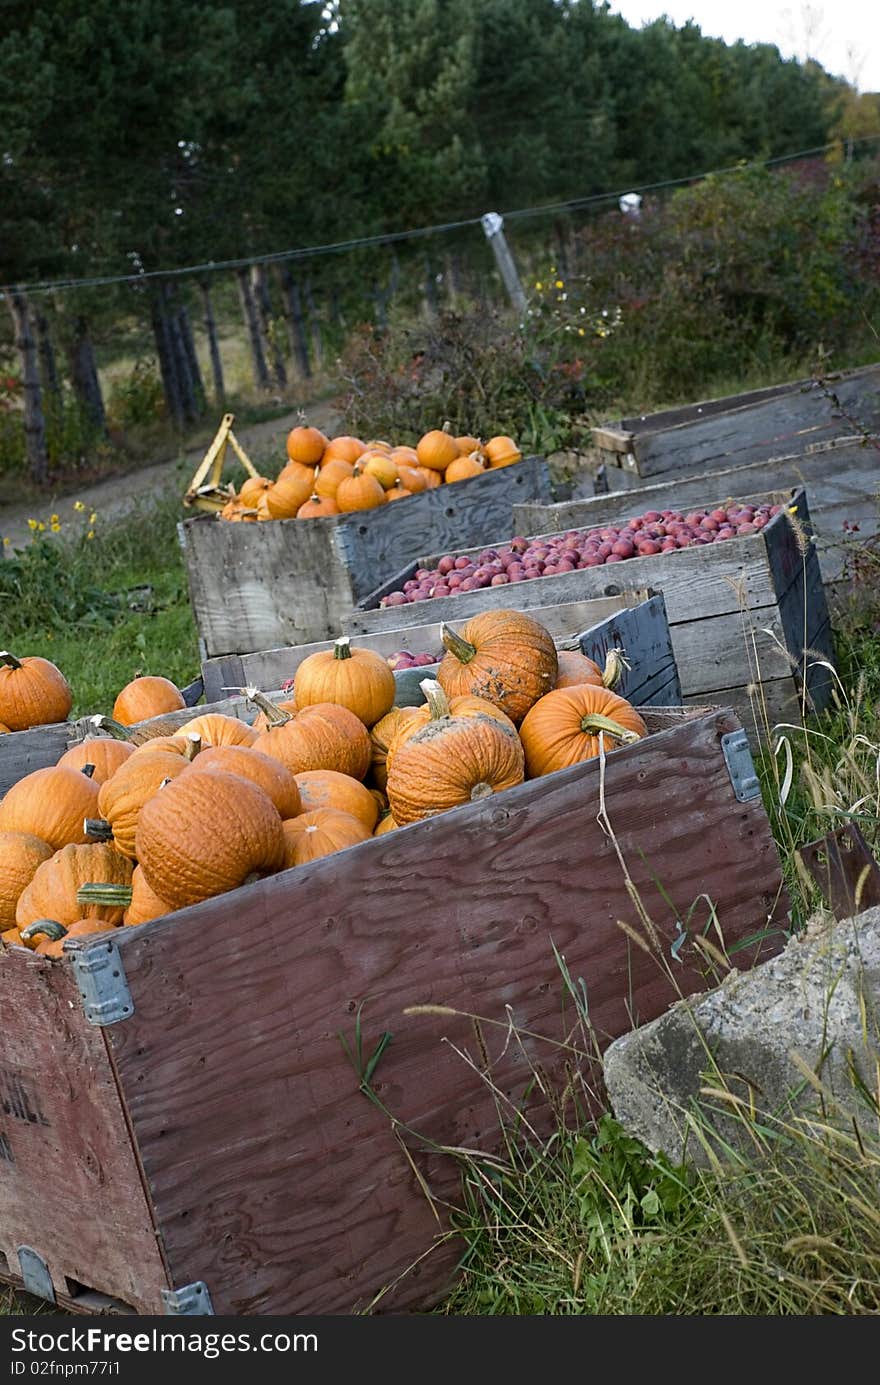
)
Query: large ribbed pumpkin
[
  {"x": 105, "y": 753},
  {"x": 145, "y": 903},
  {"x": 50, "y": 804},
  {"x": 323, "y": 736},
  {"x": 146, "y": 697},
  {"x": 205, "y": 834},
  {"x": 20, "y": 855},
  {"x": 33, "y": 692},
  {"x": 306, "y": 445},
  {"x": 320, "y": 833},
  {"x": 122, "y": 798},
  {"x": 269, "y": 774},
  {"x": 52, "y": 891},
  {"x": 359, "y": 679},
  {"x": 436, "y": 705},
  {"x": 327, "y": 788},
  {"x": 188, "y": 746},
  {"x": 214, "y": 728},
  {"x": 382, "y": 735},
  {"x": 292, "y": 489},
  {"x": 261, "y": 721},
  {"x": 451, "y": 761},
  {"x": 563, "y": 728},
  {"x": 503, "y": 656}
]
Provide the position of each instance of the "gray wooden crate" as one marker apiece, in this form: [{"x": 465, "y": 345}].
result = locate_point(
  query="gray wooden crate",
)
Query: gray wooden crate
[
  {"x": 741, "y": 613},
  {"x": 290, "y": 582},
  {"x": 632, "y": 622},
  {"x": 759, "y": 426}
]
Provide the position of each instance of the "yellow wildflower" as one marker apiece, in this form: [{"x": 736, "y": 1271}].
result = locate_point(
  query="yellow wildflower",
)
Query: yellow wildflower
[
  {"x": 90, "y": 534},
  {"x": 6, "y": 543},
  {"x": 580, "y": 331},
  {"x": 53, "y": 519},
  {"x": 79, "y": 504},
  {"x": 93, "y": 517},
  {"x": 32, "y": 524},
  {"x": 40, "y": 526},
  {"x": 538, "y": 286},
  {"x": 559, "y": 284},
  {"x": 56, "y": 528}
]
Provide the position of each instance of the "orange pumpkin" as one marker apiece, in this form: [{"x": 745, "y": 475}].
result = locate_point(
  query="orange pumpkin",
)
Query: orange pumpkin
[
  {"x": 52, "y": 946},
  {"x": 105, "y": 753},
  {"x": 575, "y": 668},
  {"x": 206, "y": 833},
  {"x": 50, "y": 804},
  {"x": 405, "y": 456},
  {"x": 188, "y": 746},
  {"x": 432, "y": 478},
  {"x": 292, "y": 489},
  {"x": 214, "y": 728},
  {"x": 359, "y": 679},
  {"x": 262, "y": 722},
  {"x": 360, "y": 491},
  {"x": 327, "y": 788},
  {"x": 382, "y": 736},
  {"x": 52, "y": 892},
  {"x": 317, "y": 507},
  {"x": 467, "y": 444},
  {"x": 150, "y": 696},
  {"x": 20, "y": 856},
  {"x": 33, "y": 692},
  {"x": 269, "y": 774},
  {"x": 503, "y": 656},
  {"x": 436, "y": 450},
  {"x": 382, "y": 467},
  {"x": 122, "y": 798},
  {"x": 306, "y": 445},
  {"x": 328, "y": 478},
  {"x": 386, "y": 825},
  {"x": 323, "y": 736},
  {"x": 437, "y": 704},
  {"x": 502, "y": 451},
  {"x": 413, "y": 479},
  {"x": 397, "y": 493},
  {"x": 320, "y": 833},
  {"x": 463, "y": 468},
  {"x": 344, "y": 449},
  {"x": 563, "y": 729},
  {"x": 145, "y": 903},
  {"x": 253, "y": 489}
]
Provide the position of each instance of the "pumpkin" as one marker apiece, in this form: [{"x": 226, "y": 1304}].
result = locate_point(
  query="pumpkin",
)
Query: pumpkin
[
  {"x": 188, "y": 746},
  {"x": 52, "y": 893},
  {"x": 263, "y": 507},
  {"x": 381, "y": 799},
  {"x": 145, "y": 903},
  {"x": 342, "y": 449},
  {"x": 463, "y": 468},
  {"x": 328, "y": 478},
  {"x": 214, "y": 728},
  {"x": 382, "y": 467},
  {"x": 437, "y": 704},
  {"x": 360, "y": 491},
  {"x": 386, "y": 825},
  {"x": 405, "y": 456},
  {"x": 53, "y": 946},
  {"x": 105, "y": 753},
  {"x": 502, "y": 451},
  {"x": 317, "y": 506},
  {"x": 146, "y": 697},
  {"x": 412, "y": 479},
  {"x": 262, "y": 722},
  {"x": 11, "y": 937},
  {"x": 327, "y": 788},
  {"x": 575, "y": 668},
  {"x": 33, "y": 692},
  {"x": 450, "y": 761},
  {"x": 20, "y": 856},
  {"x": 306, "y": 445},
  {"x": 436, "y": 450},
  {"x": 292, "y": 489},
  {"x": 563, "y": 728},
  {"x": 503, "y": 656},
  {"x": 320, "y": 833},
  {"x": 50, "y": 804},
  {"x": 466, "y": 445},
  {"x": 122, "y": 798},
  {"x": 207, "y": 832},
  {"x": 4, "y": 730},
  {"x": 383, "y": 734},
  {"x": 252, "y": 489},
  {"x": 323, "y": 736},
  {"x": 397, "y": 493},
  {"x": 269, "y": 774},
  {"x": 359, "y": 679},
  {"x": 377, "y": 445},
  {"x": 432, "y": 478}
]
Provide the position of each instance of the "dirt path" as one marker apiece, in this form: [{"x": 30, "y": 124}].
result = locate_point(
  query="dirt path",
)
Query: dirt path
[{"x": 116, "y": 495}]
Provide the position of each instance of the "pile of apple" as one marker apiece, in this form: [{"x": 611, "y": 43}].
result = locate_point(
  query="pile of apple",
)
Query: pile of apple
[
  {"x": 404, "y": 658},
  {"x": 656, "y": 531}
]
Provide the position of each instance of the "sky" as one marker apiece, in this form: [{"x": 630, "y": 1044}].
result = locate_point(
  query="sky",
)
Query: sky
[{"x": 843, "y": 35}]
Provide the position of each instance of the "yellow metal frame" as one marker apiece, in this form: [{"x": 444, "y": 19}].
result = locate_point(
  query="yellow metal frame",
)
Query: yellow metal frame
[{"x": 205, "y": 489}]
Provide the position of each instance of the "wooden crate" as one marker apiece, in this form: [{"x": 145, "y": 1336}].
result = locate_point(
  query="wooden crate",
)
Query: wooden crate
[
  {"x": 763, "y": 425},
  {"x": 739, "y": 611},
  {"x": 632, "y": 621},
  {"x": 204, "y": 1126},
  {"x": 842, "y": 479},
  {"x": 253, "y": 586}
]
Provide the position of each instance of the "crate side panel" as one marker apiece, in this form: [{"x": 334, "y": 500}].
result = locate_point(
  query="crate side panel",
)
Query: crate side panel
[
  {"x": 69, "y": 1181},
  {"x": 275, "y": 1180},
  {"x": 704, "y": 408},
  {"x": 642, "y": 632},
  {"x": 21, "y": 752}
]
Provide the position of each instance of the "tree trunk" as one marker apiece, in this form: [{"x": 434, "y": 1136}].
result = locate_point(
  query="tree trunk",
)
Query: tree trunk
[
  {"x": 167, "y": 359},
  {"x": 252, "y": 322},
  {"x": 34, "y": 423},
  {"x": 452, "y": 275},
  {"x": 84, "y": 375},
  {"x": 186, "y": 384},
  {"x": 213, "y": 346},
  {"x": 48, "y": 361},
  {"x": 264, "y": 309},
  {"x": 430, "y": 289},
  {"x": 296, "y": 327},
  {"x": 314, "y": 327},
  {"x": 192, "y": 360}
]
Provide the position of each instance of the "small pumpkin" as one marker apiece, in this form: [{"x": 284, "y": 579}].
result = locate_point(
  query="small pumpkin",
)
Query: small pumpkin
[
  {"x": 320, "y": 833},
  {"x": 397, "y": 493},
  {"x": 105, "y": 753},
  {"x": 502, "y": 451},
  {"x": 149, "y": 696},
  {"x": 432, "y": 478},
  {"x": 405, "y": 456},
  {"x": 317, "y": 507},
  {"x": 33, "y": 692},
  {"x": 268, "y": 773},
  {"x": 122, "y": 798},
  {"x": 386, "y": 825},
  {"x": 360, "y": 491},
  {"x": 412, "y": 479},
  {"x": 306, "y": 445},
  {"x": 563, "y": 729},
  {"x": 145, "y": 903},
  {"x": 252, "y": 489},
  {"x": 52, "y": 893},
  {"x": 53, "y": 946},
  {"x": 503, "y": 656},
  {"x": 575, "y": 668},
  {"x": 358, "y": 679},
  {"x": 463, "y": 468},
  {"x": 382, "y": 467},
  {"x": 50, "y": 804},
  {"x": 292, "y": 489},
  {"x": 435, "y": 450},
  {"x": 323, "y": 736},
  {"x": 20, "y": 856},
  {"x": 207, "y": 832},
  {"x": 214, "y": 728},
  {"x": 328, "y": 478},
  {"x": 344, "y": 448},
  {"x": 383, "y": 734},
  {"x": 451, "y": 761},
  {"x": 327, "y": 788},
  {"x": 467, "y": 444}
]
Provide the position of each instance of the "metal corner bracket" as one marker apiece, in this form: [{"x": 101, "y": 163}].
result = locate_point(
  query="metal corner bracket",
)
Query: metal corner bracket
[
  {"x": 192, "y": 1300},
  {"x": 102, "y": 982},
  {"x": 35, "y": 1274},
  {"x": 740, "y": 766}
]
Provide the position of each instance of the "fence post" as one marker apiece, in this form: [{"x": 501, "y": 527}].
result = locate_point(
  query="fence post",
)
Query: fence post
[{"x": 493, "y": 226}]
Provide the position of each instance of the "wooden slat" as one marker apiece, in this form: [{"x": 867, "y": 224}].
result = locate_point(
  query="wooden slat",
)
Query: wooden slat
[
  {"x": 21, "y": 752},
  {"x": 707, "y": 408},
  {"x": 274, "y": 1179}
]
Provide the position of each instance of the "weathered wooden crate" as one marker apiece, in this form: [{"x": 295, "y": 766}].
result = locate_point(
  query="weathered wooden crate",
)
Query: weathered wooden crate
[
  {"x": 741, "y": 612},
  {"x": 181, "y": 1129},
  {"x": 842, "y": 479},
  {"x": 632, "y": 621},
  {"x": 759, "y": 426},
  {"x": 253, "y": 586}
]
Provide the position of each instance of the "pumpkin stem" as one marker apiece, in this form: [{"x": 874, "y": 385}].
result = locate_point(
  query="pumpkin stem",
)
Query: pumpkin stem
[
  {"x": 98, "y": 829},
  {"x": 342, "y": 647},
  {"x": 115, "y": 896},
  {"x": 594, "y": 721},
  {"x": 52, "y": 930},
  {"x": 194, "y": 745},
  {"x": 114, "y": 728},
  {"x": 9, "y": 659},
  {"x": 435, "y": 698},
  {"x": 275, "y": 716},
  {"x": 87, "y": 770},
  {"x": 482, "y": 790},
  {"x": 616, "y": 665},
  {"x": 461, "y": 649}
]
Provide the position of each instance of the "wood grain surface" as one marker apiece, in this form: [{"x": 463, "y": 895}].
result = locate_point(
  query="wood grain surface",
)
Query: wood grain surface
[{"x": 21, "y": 752}]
